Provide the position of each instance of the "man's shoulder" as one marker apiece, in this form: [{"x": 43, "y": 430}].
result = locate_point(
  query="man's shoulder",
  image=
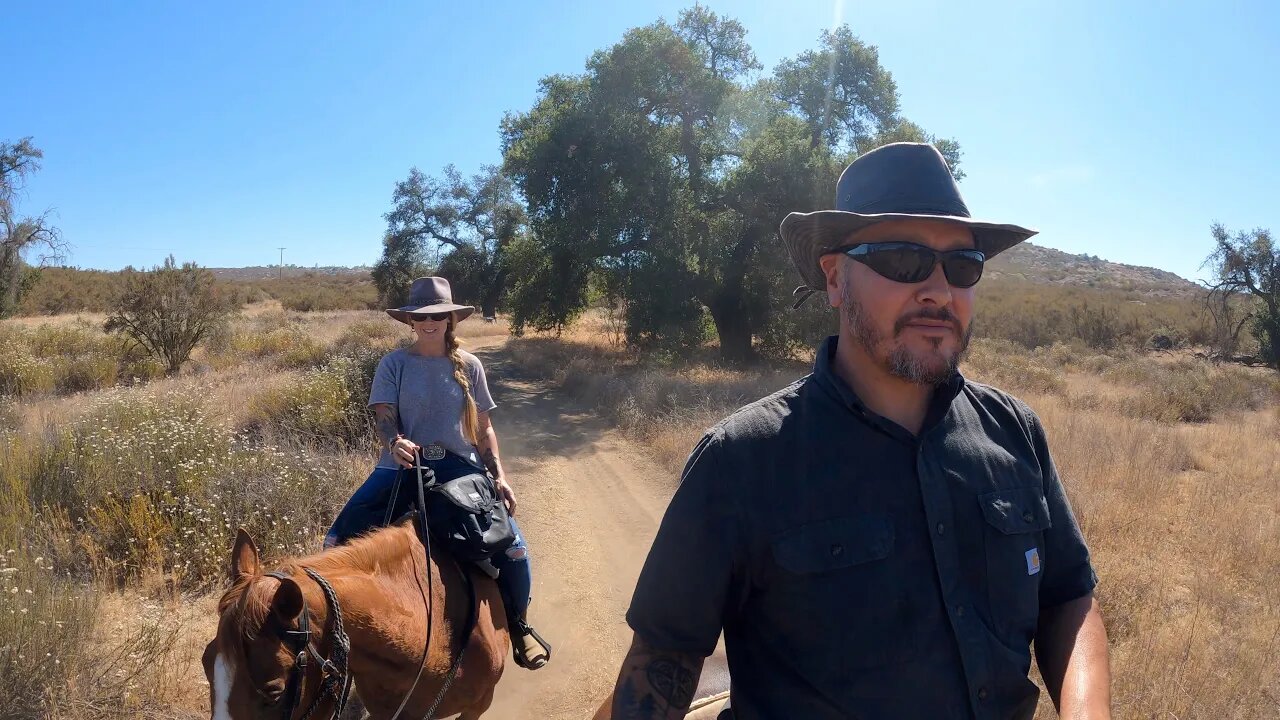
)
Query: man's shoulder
[
  {"x": 999, "y": 403},
  {"x": 762, "y": 420}
]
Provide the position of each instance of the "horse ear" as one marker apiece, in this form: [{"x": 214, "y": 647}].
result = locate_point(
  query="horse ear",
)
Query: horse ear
[
  {"x": 244, "y": 556},
  {"x": 287, "y": 603}
]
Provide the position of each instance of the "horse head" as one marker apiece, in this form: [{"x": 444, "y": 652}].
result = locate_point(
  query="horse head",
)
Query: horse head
[{"x": 249, "y": 662}]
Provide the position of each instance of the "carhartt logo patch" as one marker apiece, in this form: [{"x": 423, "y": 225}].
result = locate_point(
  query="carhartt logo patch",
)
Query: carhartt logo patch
[{"x": 1033, "y": 561}]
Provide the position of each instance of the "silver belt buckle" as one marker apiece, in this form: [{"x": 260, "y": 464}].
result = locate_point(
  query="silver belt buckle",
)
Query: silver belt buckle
[{"x": 434, "y": 451}]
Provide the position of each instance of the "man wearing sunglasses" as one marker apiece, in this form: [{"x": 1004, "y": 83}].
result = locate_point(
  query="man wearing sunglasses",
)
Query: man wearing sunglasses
[{"x": 883, "y": 538}]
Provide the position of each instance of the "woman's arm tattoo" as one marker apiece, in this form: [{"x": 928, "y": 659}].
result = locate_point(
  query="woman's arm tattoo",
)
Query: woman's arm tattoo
[
  {"x": 491, "y": 462},
  {"x": 387, "y": 420}
]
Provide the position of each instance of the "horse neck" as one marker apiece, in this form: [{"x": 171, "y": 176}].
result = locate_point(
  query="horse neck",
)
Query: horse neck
[{"x": 394, "y": 554}]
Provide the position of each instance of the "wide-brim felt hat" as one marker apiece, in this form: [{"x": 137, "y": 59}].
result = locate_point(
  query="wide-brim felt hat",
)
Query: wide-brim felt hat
[
  {"x": 900, "y": 181},
  {"x": 427, "y": 296}
]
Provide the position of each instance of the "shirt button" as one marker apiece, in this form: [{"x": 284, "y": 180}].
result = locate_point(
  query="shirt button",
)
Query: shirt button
[
  {"x": 942, "y": 529},
  {"x": 959, "y": 611},
  {"x": 836, "y": 550},
  {"x": 982, "y": 693}
]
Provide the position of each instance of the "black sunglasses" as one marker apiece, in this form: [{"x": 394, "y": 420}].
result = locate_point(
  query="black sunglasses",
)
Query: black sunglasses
[
  {"x": 437, "y": 317},
  {"x": 907, "y": 262}
]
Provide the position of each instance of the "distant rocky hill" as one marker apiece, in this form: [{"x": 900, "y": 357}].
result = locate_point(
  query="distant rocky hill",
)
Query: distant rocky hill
[{"x": 1039, "y": 264}]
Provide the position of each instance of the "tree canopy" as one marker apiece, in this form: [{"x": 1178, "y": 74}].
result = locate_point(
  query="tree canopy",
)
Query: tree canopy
[
  {"x": 472, "y": 220},
  {"x": 1247, "y": 263},
  {"x": 21, "y": 233},
  {"x": 665, "y": 168}
]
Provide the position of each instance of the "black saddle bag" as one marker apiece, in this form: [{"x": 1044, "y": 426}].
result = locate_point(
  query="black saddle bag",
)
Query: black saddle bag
[{"x": 467, "y": 514}]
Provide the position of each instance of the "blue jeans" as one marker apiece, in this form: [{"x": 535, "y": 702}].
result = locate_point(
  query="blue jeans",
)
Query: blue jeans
[{"x": 367, "y": 509}]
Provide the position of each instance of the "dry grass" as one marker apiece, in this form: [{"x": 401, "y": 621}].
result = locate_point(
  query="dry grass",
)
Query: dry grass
[
  {"x": 117, "y": 504},
  {"x": 1172, "y": 466},
  {"x": 1181, "y": 516}
]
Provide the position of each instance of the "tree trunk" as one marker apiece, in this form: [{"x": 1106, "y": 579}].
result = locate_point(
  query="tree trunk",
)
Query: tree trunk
[
  {"x": 1273, "y": 334},
  {"x": 492, "y": 293},
  {"x": 734, "y": 331}
]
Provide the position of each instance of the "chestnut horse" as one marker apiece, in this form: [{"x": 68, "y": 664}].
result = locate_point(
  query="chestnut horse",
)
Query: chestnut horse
[{"x": 375, "y": 589}]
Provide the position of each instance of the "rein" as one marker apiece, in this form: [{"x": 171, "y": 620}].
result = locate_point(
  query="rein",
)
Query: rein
[
  {"x": 336, "y": 676},
  {"x": 428, "y": 605}
]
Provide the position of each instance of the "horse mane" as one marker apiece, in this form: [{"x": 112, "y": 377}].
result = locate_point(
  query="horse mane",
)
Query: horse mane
[
  {"x": 366, "y": 552},
  {"x": 252, "y": 603}
]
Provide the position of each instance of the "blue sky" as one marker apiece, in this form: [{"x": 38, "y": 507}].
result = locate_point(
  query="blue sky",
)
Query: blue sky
[{"x": 219, "y": 131}]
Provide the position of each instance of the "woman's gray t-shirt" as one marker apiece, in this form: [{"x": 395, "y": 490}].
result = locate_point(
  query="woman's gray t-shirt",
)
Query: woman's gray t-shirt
[{"x": 428, "y": 399}]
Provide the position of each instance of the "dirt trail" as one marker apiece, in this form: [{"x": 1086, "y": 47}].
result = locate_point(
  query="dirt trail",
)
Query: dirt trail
[{"x": 590, "y": 503}]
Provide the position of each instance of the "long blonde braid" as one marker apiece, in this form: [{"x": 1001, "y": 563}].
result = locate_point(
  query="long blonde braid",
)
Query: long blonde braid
[{"x": 470, "y": 417}]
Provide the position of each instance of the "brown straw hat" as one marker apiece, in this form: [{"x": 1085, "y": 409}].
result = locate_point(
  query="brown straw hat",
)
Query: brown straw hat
[{"x": 429, "y": 295}]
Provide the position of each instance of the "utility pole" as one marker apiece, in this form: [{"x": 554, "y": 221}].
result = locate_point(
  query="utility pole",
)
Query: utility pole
[{"x": 280, "y": 275}]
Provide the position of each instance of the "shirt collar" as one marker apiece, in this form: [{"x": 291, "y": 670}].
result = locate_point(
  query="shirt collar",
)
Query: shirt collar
[{"x": 825, "y": 375}]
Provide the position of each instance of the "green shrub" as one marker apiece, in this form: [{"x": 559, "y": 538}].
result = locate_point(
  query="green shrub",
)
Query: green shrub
[
  {"x": 168, "y": 310},
  {"x": 324, "y": 406},
  {"x": 1187, "y": 390},
  {"x": 791, "y": 334},
  {"x": 366, "y": 334},
  {"x": 60, "y": 290},
  {"x": 22, "y": 373},
  {"x": 10, "y": 416},
  {"x": 317, "y": 300},
  {"x": 288, "y": 344},
  {"x": 1036, "y": 314},
  {"x": 68, "y": 359},
  {"x": 1010, "y": 367},
  {"x": 86, "y": 372},
  {"x": 149, "y": 482},
  {"x": 306, "y": 352},
  {"x": 64, "y": 340},
  {"x": 46, "y": 624}
]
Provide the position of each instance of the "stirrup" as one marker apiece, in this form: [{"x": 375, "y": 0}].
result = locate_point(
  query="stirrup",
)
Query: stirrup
[{"x": 539, "y": 660}]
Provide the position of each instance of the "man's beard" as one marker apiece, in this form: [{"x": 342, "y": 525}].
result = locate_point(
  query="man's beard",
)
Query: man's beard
[{"x": 933, "y": 369}]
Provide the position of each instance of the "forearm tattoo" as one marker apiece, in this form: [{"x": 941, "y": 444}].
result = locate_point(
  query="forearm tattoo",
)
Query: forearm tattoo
[
  {"x": 491, "y": 462},
  {"x": 655, "y": 685},
  {"x": 387, "y": 420}
]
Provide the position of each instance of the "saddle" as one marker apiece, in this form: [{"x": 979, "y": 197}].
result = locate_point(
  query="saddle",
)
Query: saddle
[{"x": 465, "y": 513}]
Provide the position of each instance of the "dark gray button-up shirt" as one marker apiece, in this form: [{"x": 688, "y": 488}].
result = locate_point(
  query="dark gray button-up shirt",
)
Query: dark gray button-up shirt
[{"x": 859, "y": 571}]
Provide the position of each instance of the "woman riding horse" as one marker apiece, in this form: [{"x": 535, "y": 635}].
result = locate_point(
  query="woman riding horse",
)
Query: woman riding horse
[{"x": 432, "y": 406}]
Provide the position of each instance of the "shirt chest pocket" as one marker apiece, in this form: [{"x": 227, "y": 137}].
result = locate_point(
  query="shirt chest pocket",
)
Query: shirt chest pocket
[
  {"x": 1016, "y": 520},
  {"x": 834, "y": 544},
  {"x": 837, "y": 604}
]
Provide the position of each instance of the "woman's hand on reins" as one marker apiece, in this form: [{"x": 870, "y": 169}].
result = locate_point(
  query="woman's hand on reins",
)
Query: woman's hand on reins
[
  {"x": 508, "y": 495},
  {"x": 404, "y": 452}
]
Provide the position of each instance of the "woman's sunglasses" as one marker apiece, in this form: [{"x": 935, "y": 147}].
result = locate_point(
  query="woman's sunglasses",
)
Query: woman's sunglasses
[
  {"x": 436, "y": 317},
  {"x": 907, "y": 262}
]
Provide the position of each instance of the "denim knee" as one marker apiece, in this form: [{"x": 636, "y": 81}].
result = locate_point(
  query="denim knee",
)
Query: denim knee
[{"x": 366, "y": 508}]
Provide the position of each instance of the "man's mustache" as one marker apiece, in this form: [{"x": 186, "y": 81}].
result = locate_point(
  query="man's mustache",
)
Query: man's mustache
[{"x": 937, "y": 314}]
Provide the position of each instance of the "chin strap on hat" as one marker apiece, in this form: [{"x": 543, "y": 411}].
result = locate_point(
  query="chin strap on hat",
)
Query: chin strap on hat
[{"x": 802, "y": 293}]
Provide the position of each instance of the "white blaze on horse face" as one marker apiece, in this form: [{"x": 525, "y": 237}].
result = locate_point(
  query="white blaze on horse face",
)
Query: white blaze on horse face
[{"x": 222, "y": 673}]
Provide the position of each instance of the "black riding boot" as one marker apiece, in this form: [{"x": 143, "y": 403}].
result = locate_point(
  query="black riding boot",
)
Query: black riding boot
[
  {"x": 527, "y": 646},
  {"x": 529, "y": 649}
]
